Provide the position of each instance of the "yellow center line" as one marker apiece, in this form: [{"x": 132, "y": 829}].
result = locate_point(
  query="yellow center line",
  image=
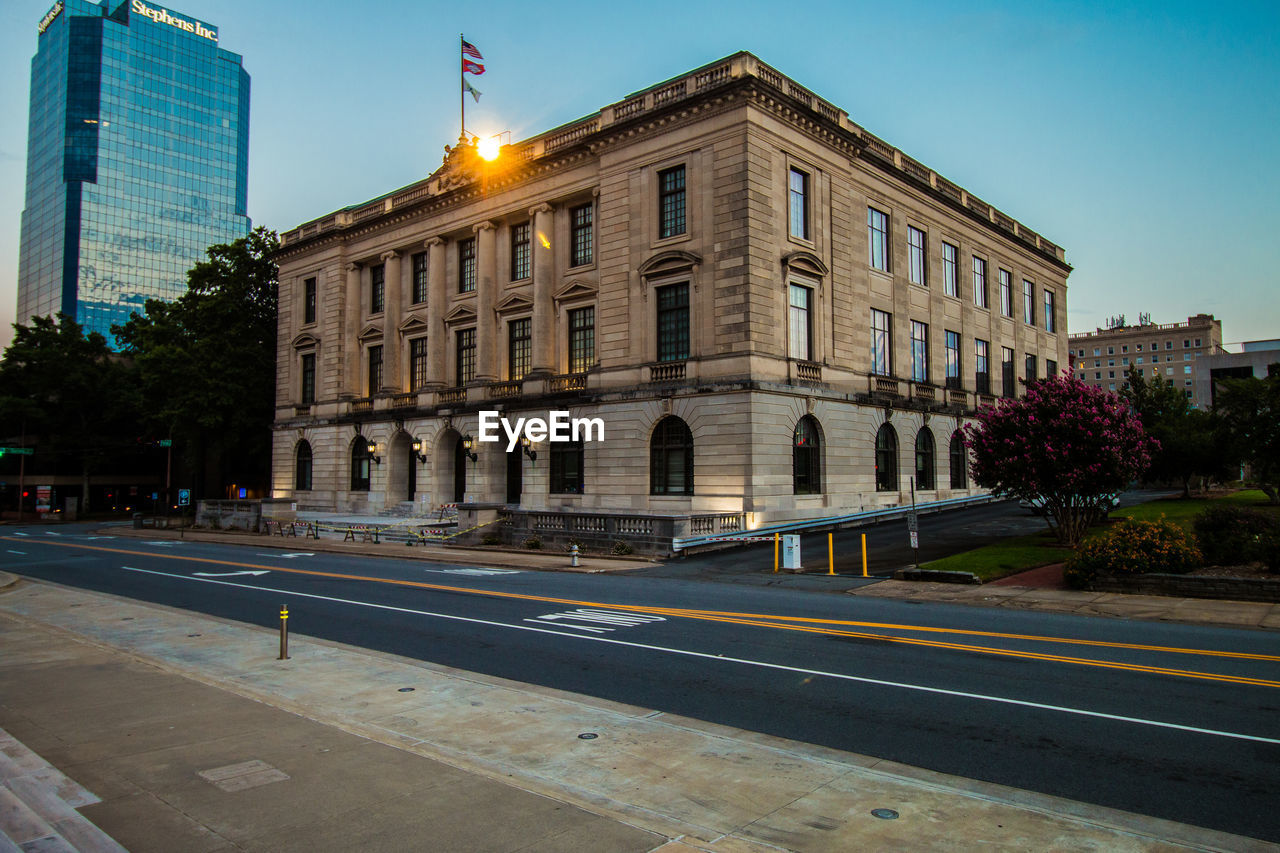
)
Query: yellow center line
[{"x": 827, "y": 627}]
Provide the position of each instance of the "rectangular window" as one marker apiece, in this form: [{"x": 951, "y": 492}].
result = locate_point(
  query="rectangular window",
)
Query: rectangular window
[
  {"x": 1031, "y": 367},
  {"x": 375, "y": 370},
  {"x": 673, "y": 322},
  {"x": 1186, "y": 343},
  {"x": 1029, "y": 303},
  {"x": 1139, "y": 359},
  {"x": 309, "y": 301},
  {"x": 582, "y": 244},
  {"x": 1050, "y": 368},
  {"x": 1197, "y": 342},
  {"x": 916, "y": 254},
  {"x": 467, "y": 265},
  {"x": 520, "y": 251},
  {"x": 566, "y": 468},
  {"x": 798, "y": 203},
  {"x": 671, "y": 202},
  {"x": 519, "y": 349},
  {"x": 1006, "y": 294},
  {"x": 420, "y": 283},
  {"x": 981, "y": 366},
  {"x": 800, "y": 322},
  {"x": 308, "y": 384},
  {"x": 878, "y": 239},
  {"x": 979, "y": 282},
  {"x": 919, "y": 351},
  {"x": 417, "y": 363},
  {"x": 377, "y": 288},
  {"x": 953, "y": 359},
  {"x": 1008, "y": 381},
  {"x": 466, "y": 356},
  {"x": 1050, "y": 312},
  {"x": 582, "y": 339},
  {"x": 950, "y": 270},
  {"x": 881, "y": 342}
]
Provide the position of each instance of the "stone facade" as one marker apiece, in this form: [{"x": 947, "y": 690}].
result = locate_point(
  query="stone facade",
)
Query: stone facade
[
  {"x": 731, "y": 202},
  {"x": 1171, "y": 351}
]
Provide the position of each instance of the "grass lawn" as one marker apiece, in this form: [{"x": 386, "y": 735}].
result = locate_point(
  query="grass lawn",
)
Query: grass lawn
[{"x": 1018, "y": 553}]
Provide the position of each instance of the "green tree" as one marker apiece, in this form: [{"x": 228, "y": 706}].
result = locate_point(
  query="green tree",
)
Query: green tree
[
  {"x": 1190, "y": 440},
  {"x": 1250, "y": 411},
  {"x": 206, "y": 363},
  {"x": 69, "y": 392}
]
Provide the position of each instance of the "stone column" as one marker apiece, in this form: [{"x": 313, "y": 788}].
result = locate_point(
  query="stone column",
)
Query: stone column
[
  {"x": 351, "y": 332},
  {"x": 436, "y": 300},
  {"x": 486, "y": 299},
  {"x": 393, "y": 307},
  {"x": 544, "y": 361}
]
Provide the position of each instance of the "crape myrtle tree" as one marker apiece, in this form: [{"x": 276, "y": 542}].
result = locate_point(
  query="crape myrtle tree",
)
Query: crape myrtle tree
[
  {"x": 206, "y": 363},
  {"x": 1066, "y": 446}
]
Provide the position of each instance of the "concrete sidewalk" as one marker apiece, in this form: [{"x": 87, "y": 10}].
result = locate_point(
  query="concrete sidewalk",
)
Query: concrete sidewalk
[{"x": 196, "y": 738}]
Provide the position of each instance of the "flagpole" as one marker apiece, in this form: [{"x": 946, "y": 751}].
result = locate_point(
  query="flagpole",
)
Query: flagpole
[{"x": 462, "y": 90}]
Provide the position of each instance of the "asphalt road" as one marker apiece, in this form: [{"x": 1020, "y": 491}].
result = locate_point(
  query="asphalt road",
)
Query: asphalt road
[{"x": 1179, "y": 722}]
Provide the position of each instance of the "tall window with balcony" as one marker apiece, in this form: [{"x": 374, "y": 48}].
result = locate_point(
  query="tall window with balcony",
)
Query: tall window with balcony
[
  {"x": 800, "y": 322},
  {"x": 673, "y": 322},
  {"x": 979, "y": 282},
  {"x": 1028, "y": 303},
  {"x": 519, "y": 349},
  {"x": 417, "y": 363},
  {"x": 881, "y": 343},
  {"x": 981, "y": 366},
  {"x": 1051, "y": 313},
  {"x": 1006, "y": 293},
  {"x": 1008, "y": 381},
  {"x": 878, "y": 239},
  {"x": 798, "y": 203},
  {"x": 671, "y": 458},
  {"x": 806, "y": 458},
  {"x": 309, "y": 301},
  {"x": 581, "y": 235},
  {"x": 377, "y": 288},
  {"x": 950, "y": 270},
  {"x": 421, "y": 285},
  {"x": 307, "y": 386},
  {"x": 582, "y": 339},
  {"x": 375, "y": 370},
  {"x": 520, "y": 251},
  {"x": 465, "y": 356},
  {"x": 953, "y": 359},
  {"x": 919, "y": 351},
  {"x": 467, "y": 265},
  {"x": 671, "y": 198},
  {"x": 917, "y": 266}
]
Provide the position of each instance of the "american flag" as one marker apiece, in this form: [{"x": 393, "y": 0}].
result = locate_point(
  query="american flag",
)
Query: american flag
[
  {"x": 469, "y": 49},
  {"x": 472, "y": 67}
]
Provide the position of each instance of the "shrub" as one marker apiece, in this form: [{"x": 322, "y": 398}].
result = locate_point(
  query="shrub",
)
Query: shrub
[
  {"x": 533, "y": 543},
  {"x": 490, "y": 539},
  {"x": 622, "y": 549},
  {"x": 1133, "y": 548},
  {"x": 1269, "y": 549},
  {"x": 1230, "y": 535}
]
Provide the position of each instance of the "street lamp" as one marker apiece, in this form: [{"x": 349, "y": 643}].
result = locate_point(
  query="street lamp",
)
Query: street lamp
[
  {"x": 373, "y": 453},
  {"x": 417, "y": 450},
  {"x": 467, "y": 444},
  {"x": 527, "y": 446}
]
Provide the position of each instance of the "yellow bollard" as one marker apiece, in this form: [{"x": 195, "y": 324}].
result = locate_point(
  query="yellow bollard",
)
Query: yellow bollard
[
  {"x": 775, "y": 553},
  {"x": 831, "y": 555},
  {"x": 864, "y": 555}
]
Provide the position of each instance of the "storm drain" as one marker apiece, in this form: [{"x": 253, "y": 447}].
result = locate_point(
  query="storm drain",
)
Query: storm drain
[{"x": 246, "y": 774}]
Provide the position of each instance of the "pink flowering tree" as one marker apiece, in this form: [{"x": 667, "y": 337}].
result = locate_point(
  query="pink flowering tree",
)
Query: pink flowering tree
[{"x": 1067, "y": 447}]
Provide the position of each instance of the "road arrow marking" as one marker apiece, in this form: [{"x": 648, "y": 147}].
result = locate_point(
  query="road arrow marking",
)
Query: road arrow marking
[
  {"x": 474, "y": 572},
  {"x": 288, "y": 556},
  {"x": 222, "y": 574}
]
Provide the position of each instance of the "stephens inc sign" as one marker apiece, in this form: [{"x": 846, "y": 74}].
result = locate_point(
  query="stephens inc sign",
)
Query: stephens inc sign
[
  {"x": 163, "y": 16},
  {"x": 49, "y": 16}
]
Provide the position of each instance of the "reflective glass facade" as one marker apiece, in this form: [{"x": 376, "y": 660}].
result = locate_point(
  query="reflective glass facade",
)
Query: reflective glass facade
[{"x": 137, "y": 159}]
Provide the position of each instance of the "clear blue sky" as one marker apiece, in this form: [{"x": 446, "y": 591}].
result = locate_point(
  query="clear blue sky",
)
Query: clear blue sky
[{"x": 1142, "y": 137}]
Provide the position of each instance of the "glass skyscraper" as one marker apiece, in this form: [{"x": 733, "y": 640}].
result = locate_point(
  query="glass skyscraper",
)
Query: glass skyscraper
[{"x": 137, "y": 159}]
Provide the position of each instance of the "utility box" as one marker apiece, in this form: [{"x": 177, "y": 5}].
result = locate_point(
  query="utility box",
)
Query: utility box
[{"x": 791, "y": 552}]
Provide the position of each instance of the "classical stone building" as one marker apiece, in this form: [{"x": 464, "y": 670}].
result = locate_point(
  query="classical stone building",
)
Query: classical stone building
[
  {"x": 775, "y": 314},
  {"x": 1171, "y": 351}
]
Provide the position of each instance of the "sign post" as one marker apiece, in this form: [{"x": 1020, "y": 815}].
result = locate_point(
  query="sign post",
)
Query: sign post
[{"x": 913, "y": 525}]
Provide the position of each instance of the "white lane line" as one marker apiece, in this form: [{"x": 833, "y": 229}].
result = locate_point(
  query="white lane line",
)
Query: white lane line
[
  {"x": 219, "y": 574},
  {"x": 23, "y": 553},
  {"x": 287, "y": 556},
  {"x": 746, "y": 661}
]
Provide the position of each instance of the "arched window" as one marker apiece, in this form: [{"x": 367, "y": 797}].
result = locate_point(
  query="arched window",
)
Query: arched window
[
  {"x": 925, "y": 460},
  {"x": 302, "y": 467},
  {"x": 671, "y": 458},
  {"x": 806, "y": 458},
  {"x": 886, "y": 459},
  {"x": 360, "y": 464},
  {"x": 959, "y": 462}
]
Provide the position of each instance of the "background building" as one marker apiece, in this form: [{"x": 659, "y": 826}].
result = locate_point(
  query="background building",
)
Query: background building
[
  {"x": 1172, "y": 351},
  {"x": 137, "y": 158},
  {"x": 776, "y": 315},
  {"x": 1253, "y": 361}
]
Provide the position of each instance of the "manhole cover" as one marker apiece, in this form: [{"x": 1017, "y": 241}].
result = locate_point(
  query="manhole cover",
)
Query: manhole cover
[
  {"x": 406, "y": 690},
  {"x": 588, "y": 736},
  {"x": 885, "y": 814}
]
